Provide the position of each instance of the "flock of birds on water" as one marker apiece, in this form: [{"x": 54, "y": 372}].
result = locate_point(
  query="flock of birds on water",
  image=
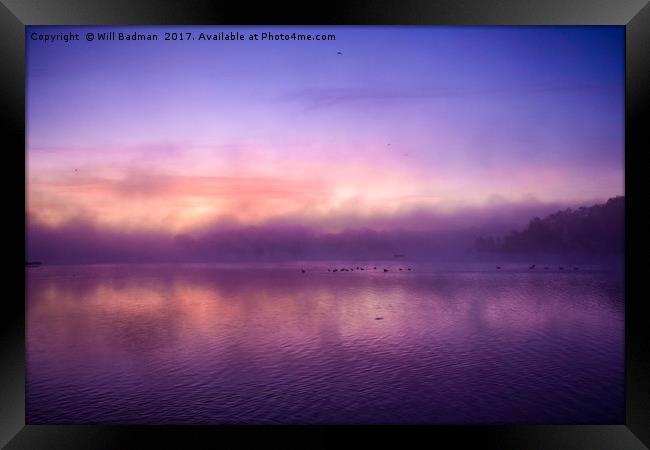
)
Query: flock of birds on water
[
  {"x": 408, "y": 269},
  {"x": 344, "y": 269},
  {"x": 532, "y": 267}
]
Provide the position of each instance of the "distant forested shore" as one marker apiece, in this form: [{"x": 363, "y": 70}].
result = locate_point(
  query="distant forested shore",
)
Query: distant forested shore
[
  {"x": 597, "y": 230},
  {"x": 583, "y": 234}
]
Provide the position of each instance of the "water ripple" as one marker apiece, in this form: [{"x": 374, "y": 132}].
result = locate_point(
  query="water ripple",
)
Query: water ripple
[{"x": 269, "y": 345}]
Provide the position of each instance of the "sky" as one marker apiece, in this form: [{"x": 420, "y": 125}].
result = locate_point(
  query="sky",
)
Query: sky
[{"x": 385, "y": 127}]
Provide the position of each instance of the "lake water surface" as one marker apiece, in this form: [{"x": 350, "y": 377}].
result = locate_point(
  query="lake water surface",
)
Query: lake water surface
[{"x": 267, "y": 344}]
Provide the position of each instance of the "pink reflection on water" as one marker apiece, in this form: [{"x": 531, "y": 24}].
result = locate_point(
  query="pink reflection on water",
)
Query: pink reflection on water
[{"x": 183, "y": 335}]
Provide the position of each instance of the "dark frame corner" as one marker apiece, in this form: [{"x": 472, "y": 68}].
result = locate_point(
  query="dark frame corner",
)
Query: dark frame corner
[{"x": 633, "y": 14}]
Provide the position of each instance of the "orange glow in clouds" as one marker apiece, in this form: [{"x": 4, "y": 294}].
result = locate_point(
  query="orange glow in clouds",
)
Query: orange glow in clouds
[{"x": 192, "y": 189}]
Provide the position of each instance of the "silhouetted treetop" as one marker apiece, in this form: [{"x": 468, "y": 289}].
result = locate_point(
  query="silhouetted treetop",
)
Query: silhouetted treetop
[{"x": 593, "y": 230}]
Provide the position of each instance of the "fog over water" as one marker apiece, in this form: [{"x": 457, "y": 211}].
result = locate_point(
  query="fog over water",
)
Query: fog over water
[
  {"x": 417, "y": 236},
  {"x": 401, "y": 225},
  {"x": 242, "y": 343}
]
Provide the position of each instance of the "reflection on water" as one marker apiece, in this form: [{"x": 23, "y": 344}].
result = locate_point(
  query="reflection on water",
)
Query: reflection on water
[{"x": 268, "y": 344}]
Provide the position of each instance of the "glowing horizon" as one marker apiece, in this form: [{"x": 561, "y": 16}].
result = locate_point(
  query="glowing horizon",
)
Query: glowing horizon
[{"x": 175, "y": 136}]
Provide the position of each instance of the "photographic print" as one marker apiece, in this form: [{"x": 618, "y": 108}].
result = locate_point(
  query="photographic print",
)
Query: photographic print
[{"x": 325, "y": 225}]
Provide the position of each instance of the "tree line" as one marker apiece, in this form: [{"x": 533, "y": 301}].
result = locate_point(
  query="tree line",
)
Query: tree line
[{"x": 593, "y": 230}]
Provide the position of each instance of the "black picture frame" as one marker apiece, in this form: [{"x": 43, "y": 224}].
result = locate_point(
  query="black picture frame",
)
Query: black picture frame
[{"x": 16, "y": 14}]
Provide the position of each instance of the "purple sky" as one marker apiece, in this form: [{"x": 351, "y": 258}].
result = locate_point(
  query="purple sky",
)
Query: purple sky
[{"x": 408, "y": 127}]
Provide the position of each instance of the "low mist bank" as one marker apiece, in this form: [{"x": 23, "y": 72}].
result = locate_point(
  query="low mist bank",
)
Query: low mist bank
[{"x": 584, "y": 234}]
